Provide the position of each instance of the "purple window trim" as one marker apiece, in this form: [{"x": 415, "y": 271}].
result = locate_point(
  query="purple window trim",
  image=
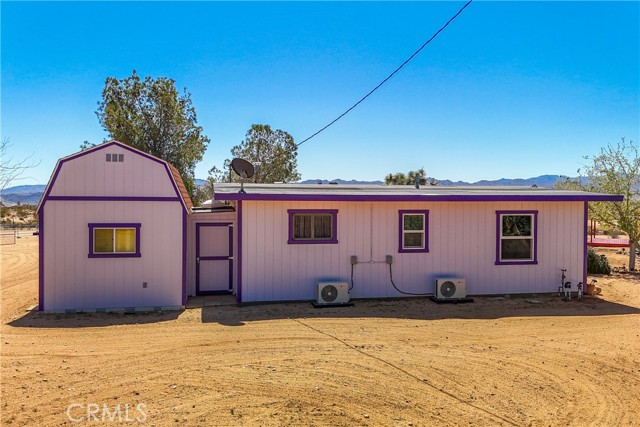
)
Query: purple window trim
[
  {"x": 499, "y": 214},
  {"x": 401, "y": 214},
  {"x": 334, "y": 226},
  {"x": 93, "y": 226}
]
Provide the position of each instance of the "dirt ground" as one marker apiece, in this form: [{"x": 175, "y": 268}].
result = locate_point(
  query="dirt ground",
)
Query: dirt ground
[{"x": 409, "y": 362}]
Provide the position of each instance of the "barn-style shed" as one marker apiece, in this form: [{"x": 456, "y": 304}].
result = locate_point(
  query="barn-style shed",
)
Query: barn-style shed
[
  {"x": 113, "y": 232},
  {"x": 500, "y": 240}
]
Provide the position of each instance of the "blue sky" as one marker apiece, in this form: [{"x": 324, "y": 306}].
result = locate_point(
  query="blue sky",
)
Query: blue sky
[{"x": 509, "y": 89}]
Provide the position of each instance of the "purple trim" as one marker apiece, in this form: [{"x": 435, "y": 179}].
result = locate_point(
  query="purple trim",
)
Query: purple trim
[
  {"x": 585, "y": 249},
  {"x": 184, "y": 258},
  {"x": 401, "y": 214},
  {"x": 334, "y": 227},
  {"x": 228, "y": 258},
  {"x": 231, "y": 255},
  {"x": 114, "y": 199},
  {"x": 41, "y": 260},
  {"x": 535, "y": 237},
  {"x": 93, "y": 226},
  {"x": 47, "y": 196},
  {"x": 239, "y": 260},
  {"x": 419, "y": 197}
]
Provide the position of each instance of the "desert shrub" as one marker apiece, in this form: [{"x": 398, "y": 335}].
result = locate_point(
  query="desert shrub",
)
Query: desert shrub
[
  {"x": 597, "y": 264},
  {"x": 613, "y": 233}
]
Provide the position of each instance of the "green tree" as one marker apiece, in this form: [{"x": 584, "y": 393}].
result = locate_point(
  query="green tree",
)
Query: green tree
[
  {"x": 615, "y": 170},
  {"x": 273, "y": 153},
  {"x": 400, "y": 178},
  {"x": 152, "y": 116}
]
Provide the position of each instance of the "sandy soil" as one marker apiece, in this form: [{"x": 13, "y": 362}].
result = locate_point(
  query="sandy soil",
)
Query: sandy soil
[{"x": 406, "y": 362}]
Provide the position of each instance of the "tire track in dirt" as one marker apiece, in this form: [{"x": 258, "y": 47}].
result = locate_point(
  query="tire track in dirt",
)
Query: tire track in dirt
[{"x": 409, "y": 374}]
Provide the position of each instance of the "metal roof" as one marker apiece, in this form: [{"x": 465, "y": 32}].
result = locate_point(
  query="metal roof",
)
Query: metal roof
[{"x": 338, "y": 192}]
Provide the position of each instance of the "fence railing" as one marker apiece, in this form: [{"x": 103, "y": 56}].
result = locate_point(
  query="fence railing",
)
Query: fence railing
[{"x": 9, "y": 233}]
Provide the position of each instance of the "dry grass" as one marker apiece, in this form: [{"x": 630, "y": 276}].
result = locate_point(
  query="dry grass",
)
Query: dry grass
[{"x": 403, "y": 362}]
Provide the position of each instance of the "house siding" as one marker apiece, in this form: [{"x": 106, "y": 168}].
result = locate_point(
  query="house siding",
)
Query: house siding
[
  {"x": 92, "y": 176},
  {"x": 74, "y": 281},
  {"x": 462, "y": 243}
]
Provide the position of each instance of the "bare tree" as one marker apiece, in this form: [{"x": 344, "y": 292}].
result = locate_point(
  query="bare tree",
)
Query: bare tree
[{"x": 10, "y": 169}]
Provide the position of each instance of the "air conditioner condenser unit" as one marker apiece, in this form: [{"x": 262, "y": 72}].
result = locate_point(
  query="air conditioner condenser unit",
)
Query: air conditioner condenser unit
[
  {"x": 449, "y": 288},
  {"x": 332, "y": 293}
]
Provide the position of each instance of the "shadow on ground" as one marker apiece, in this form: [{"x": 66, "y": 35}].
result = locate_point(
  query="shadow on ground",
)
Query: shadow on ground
[
  {"x": 416, "y": 308},
  {"x": 421, "y": 309},
  {"x": 36, "y": 319}
]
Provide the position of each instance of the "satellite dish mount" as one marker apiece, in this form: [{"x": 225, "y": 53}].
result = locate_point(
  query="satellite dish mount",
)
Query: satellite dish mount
[{"x": 244, "y": 169}]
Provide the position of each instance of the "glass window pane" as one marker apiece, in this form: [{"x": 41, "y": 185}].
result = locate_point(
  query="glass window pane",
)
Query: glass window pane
[
  {"x": 413, "y": 240},
  {"x": 322, "y": 226},
  {"x": 126, "y": 240},
  {"x": 516, "y": 249},
  {"x": 103, "y": 240},
  {"x": 413, "y": 222},
  {"x": 516, "y": 225}
]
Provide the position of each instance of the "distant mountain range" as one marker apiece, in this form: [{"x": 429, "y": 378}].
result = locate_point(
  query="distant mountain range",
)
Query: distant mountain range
[
  {"x": 541, "y": 181},
  {"x": 31, "y": 194},
  {"x": 22, "y": 194}
]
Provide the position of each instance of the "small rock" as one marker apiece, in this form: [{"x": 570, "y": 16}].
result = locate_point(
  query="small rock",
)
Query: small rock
[
  {"x": 366, "y": 415},
  {"x": 532, "y": 301},
  {"x": 173, "y": 386}
]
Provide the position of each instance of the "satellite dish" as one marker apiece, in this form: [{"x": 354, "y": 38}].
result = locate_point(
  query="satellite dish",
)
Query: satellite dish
[{"x": 244, "y": 169}]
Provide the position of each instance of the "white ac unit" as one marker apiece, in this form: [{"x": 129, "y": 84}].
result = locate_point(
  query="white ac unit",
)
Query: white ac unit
[
  {"x": 448, "y": 288},
  {"x": 333, "y": 293}
]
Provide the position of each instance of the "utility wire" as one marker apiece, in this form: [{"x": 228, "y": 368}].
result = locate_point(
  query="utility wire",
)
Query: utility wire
[{"x": 390, "y": 75}]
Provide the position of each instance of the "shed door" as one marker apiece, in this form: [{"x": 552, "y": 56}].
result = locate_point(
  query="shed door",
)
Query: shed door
[{"x": 214, "y": 258}]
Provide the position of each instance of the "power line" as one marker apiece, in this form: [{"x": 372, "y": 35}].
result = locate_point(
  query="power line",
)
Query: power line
[{"x": 390, "y": 75}]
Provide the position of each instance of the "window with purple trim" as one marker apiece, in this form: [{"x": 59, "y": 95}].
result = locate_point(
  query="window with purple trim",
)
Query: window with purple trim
[
  {"x": 414, "y": 236},
  {"x": 312, "y": 226},
  {"x": 516, "y": 237},
  {"x": 114, "y": 240}
]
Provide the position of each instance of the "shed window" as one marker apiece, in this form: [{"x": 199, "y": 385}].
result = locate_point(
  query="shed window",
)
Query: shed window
[
  {"x": 114, "y": 240},
  {"x": 516, "y": 242},
  {"x": 312, "y": 226},
  {"x": 413, "y": 230}
]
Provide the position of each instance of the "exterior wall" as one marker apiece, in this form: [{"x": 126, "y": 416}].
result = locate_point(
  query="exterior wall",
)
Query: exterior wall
[
  {"x": 462, "y": 243},
  {"x": 74, "y": 281},
  {"x": 92, "y": 176},
  {"x": 206, "y": 217}
]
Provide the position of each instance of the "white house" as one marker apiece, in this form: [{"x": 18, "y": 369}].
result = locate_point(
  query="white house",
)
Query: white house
[
  {"x": 117, "y": 230},
  {"x": 501, "y": 240}
]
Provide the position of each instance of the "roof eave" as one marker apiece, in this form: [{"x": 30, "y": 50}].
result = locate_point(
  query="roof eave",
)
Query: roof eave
[{"x": 423, "y": 197}]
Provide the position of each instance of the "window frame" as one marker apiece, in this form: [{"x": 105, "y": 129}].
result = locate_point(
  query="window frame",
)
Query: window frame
[
  {"x": 334, "y": 226},
  {"x": 534, "y": 237},
  {"x": 114, "y": 226},
  {"x": 402, "y": 231}
]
